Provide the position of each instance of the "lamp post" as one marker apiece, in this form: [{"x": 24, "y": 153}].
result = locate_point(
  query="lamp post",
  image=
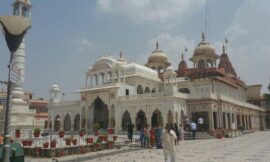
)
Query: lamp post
[{"x": 14, "y": 28}]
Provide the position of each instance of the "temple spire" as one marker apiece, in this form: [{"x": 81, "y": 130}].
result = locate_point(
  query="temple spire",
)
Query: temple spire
[
  {"x": 182, "y": 56},
  {"x": 223, "y": 49}
]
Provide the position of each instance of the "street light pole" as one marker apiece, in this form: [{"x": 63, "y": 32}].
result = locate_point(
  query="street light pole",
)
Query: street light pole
[
  {"x": 14, "y": 29},
  {"x": 7, "y": 116}
]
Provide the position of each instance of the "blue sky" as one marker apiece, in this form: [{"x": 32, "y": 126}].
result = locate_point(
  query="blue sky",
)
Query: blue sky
[{"x": 67, "y": 36}]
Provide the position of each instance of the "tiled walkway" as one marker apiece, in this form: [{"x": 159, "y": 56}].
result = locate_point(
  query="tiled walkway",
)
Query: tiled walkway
[{"x": 254, "y": 147}]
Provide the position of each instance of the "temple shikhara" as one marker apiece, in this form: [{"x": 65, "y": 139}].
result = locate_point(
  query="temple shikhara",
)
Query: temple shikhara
[{"x": 117, "y": 92}]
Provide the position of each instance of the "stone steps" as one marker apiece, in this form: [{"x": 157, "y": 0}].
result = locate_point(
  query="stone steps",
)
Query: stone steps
[{"x": 199, "y": 135}]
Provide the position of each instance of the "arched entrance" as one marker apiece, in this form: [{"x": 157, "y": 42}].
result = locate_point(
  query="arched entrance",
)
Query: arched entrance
[
  {"x": 170, "y": 117},
  {"x": 101, "y": 113},
  {"x": 57, "y": 123},
  {"x": 125, "y": 120},
  {"x": 141, "y": 120},
  {"x": 67, "y": 123},
  {"x": 77, "y": 122},
  {"x": 156, "y": 119}
]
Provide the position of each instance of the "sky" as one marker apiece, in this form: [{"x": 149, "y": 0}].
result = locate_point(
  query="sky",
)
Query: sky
[{"x": 68, "y": 36}]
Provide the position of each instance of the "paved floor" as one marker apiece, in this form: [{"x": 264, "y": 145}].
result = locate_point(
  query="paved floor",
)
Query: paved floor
[{"x": 254, "y": 147}]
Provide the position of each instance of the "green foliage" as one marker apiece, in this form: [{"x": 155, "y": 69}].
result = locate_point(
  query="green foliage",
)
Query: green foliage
[
  {"x": 37, "y": 130},
  {"x": 267, "y": 97},
  {"x": 96, "y": 126}
]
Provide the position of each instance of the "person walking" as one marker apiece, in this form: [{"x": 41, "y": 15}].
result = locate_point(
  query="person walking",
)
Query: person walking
[
  {"x": 193, "y": 127},
  {"x": 186, "y": 124},
  {"x": 168, "y": 139}
]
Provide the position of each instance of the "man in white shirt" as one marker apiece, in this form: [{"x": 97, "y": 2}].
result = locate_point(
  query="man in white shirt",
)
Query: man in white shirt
[
  {"x": 168, "y": 139},
  {"x": 200, "y": 124},
  {"x": 193, "y": 127}
]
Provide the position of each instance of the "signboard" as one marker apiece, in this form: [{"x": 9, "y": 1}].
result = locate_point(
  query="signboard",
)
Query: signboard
[{"x": 15, "y": 74}]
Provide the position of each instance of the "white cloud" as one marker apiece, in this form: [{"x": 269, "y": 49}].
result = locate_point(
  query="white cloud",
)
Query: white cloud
[
  {"x": 140, "y": 11},
  {"x": 249, "y": 40},
  {"x": 83, "y": 44}
]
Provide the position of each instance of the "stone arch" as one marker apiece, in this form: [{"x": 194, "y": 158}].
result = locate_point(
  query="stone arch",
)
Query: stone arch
[
  {"x": 154, "y": 90},
  {"x": 101, "y": 113},
  {"x": 67, "y": 123},
  {"x": 141, "y": 120},
  {"x": 94, "y": 80},
  {"x": 170, "y": 117},
  {"x": 77, "y": 122},
  {"x": 156, "y": 119},
  {"x": 160, "y": 69},
  {"x": 126, "y": 119},
  {"x": 57, "y": 123},
  {"x": 139, "y": 89},
  {"x": 209, "y": 63},
  {"x": 147, "y": 90},
  {"x": 109, "y": 77}
]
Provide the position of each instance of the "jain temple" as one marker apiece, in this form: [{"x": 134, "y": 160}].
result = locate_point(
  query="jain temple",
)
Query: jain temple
[{"x": 117, "y": 92}]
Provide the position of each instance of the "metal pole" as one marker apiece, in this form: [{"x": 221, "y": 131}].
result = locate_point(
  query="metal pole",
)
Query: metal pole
[{"x": 6, "y": 146}]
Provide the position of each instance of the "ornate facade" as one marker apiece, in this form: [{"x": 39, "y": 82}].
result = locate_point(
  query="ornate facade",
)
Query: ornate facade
[{"x": 117, "y": 92}]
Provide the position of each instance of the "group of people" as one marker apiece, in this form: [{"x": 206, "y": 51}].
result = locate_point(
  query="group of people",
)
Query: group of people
[{"x": 166, "y": 139}]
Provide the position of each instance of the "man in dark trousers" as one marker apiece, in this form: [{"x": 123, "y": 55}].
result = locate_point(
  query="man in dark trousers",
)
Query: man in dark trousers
[
  {"x": 193, "y": 127},
  {"x": 130, "y": 132}
]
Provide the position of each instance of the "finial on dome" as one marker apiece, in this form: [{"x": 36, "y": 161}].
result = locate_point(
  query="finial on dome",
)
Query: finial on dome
[
  {"x": 157, "y": 46},
  {"x": 203, "y": 36}
]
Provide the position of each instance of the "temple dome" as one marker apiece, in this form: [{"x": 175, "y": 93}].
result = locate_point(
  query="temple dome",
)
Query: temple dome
[
  {"x": 158, "y": 60},
  {"x": 55, "y": 87},
  {"x": 204, "y": 48}
]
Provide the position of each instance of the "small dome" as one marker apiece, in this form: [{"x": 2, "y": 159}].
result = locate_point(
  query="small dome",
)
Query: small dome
[
  {"x": 157, "y": 55},
  {"x": 28, "y": 2},
  {"x": 170, "y": 69},
  {"x": 204, "y": 48},
  {"x": 55, "y": 87}
]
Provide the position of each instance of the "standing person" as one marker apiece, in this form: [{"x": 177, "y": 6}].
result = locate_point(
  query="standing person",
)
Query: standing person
[
  {"x": 181, "y": 132},
  {"x": 158, "y": 137},
  {"x": 168, "y": 138},
  {"x": 175, "y": 129},
  {"x": 142, "y": 136},
  {"x": 146, "y": 132},
  {"x": 200, "y": 124},
  {"x": 193, "y": 127},
  {"x": 152, "y": 137},
  {"x": 130, "y": 132},
  {"x": 186, "y": 124}
]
